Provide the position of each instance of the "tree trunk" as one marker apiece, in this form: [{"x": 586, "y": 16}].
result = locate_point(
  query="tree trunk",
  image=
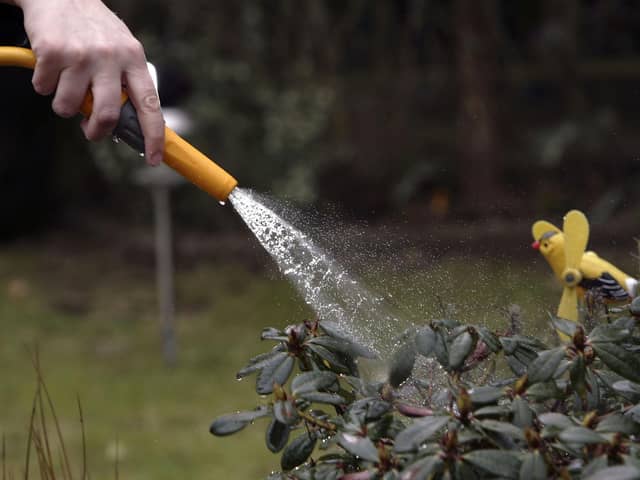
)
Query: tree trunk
[{"x": 479, "y": 143}]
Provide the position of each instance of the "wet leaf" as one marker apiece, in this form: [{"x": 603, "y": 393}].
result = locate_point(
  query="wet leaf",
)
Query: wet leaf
[
  {"x": 330, "y": 360},
  {"x": 257, "y": 363},
  {"x": 489, "y": 338},
  {"x": 580, "y": 435},
  {"x": 333, "y": 330},
  {"x": 440, "y": 350},
  {"x": 277, "y": 435},
  {"x": 616, "y": 473},
  {"x": 276, "y": 371},
  {"x": 484, "y": 395},
  {"x": 285, "y": 411},
  {"x": 419, "y": 432},
  {"x": 424, "y": 468},
  {"x": 344, "y": 347},
  {"x": 522, "y": 413},
  {"x": 543, "y": 391},
  {"x": 501, "y": 463},
  {"x": 608, "y": 333},
  {"x": 370, "y": 408},
  {"x": 312, "y": 381},
  {"x": 543, "y": 368},
  {"x": 533, "y": 467},
  {"x": 297, "y": 451},
  {"x": 619, "y": 360},
  {"x": 460, "y": 349},
  {"x": 234, "y": 422},
  {"x": 503, "y": 428},
  {"x": 402, "y": 364},
  {"x": 577, "y": 374},
  {"x": 425, "y": 341},
  {"x": 271, "y": 333},
  {"x": 556, "y": 420},
  {"x": 359, "y": 446},
  {"x": 413, "y": 410},
  {"x": 564, "y": 326},
  {"x": 323, "y": 397},
  {"x": 615, "y": 423}
]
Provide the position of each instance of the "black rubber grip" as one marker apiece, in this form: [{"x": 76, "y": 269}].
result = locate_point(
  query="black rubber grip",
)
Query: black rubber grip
[{"x": 128, "y": 129}]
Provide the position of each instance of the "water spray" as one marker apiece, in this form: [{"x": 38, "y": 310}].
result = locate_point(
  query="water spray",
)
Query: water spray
[
  {"x": 178, "y": 153},
  {"x": 323, "y": 283}
]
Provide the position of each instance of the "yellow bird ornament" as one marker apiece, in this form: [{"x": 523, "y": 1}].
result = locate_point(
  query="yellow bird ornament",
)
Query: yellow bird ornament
[{"x": 579, "y": 270}]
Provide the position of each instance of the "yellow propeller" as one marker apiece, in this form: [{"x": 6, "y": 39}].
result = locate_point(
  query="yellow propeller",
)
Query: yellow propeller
[{"x": 576, "y": 236}]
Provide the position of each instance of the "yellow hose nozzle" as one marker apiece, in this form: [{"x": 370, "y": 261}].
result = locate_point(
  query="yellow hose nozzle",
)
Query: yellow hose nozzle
[{"x": 178, "y": 153}]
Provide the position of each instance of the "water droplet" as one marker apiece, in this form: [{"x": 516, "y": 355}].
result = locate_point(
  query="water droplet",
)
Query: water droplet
[{"x": 115, "y": 139}]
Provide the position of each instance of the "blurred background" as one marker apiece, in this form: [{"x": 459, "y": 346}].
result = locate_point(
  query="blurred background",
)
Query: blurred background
[{"x": 428, "y": 133}]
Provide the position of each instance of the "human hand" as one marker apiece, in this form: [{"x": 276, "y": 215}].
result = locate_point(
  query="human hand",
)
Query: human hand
[{"x": 81, "y": 46}]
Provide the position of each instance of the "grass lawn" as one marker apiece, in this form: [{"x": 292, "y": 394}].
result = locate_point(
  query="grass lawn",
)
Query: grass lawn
[{"x": 91, "y": 314}]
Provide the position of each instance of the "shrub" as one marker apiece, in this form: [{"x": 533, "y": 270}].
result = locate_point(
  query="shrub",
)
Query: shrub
[{"x": 460, "y": 401}]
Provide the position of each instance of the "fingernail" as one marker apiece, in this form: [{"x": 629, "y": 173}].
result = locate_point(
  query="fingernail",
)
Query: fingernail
[{"x": 156, "y": 159}]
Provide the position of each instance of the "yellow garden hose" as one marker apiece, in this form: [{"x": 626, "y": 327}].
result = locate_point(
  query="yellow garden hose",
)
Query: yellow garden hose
[{"x": 178, "y": 153}]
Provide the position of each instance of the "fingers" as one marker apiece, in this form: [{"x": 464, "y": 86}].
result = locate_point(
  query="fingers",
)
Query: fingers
[
  {"x": 144, "y": 97},
  {"x": 106, "y": 89},
  {"x": 72, "y": 87}
]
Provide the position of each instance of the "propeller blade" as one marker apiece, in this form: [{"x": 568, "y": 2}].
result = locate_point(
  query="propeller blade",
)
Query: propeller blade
[
  {"x": 541, "y": 227},
  {"x": 568, "y": 308},
  {"x": 576, "y": 236}
]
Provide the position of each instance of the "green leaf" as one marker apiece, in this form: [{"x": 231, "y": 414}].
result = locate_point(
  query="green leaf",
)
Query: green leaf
[
  {"x": 577, "y": 375},
  {"x": 489, "y": 338},
  {"x": 533, "y": 467},
  {"x": 617, "y": 423},
  {"x": 277, "y": 435},
  {"x": 419, "y": 432},
  {"x": 460, "y": 349},
  {"x": 297, "y": 451},
  {"x": 285, "y": 412},
  {"x": 492, "y": 411},
  {"x": 425, "y": 341},
  {"x": 359, "y": 446},
  {"x": 342, "y": 346},
  {"x": 257, "y": 363},
  {"x": 556, "y": 420},
  {"x": 424, "y": 468},
  {"x": 634, "y": 413},
  {"x": 608, "y": 333},
  {"x": 330, "y": 360},
  {"x": 271, "y": 333},
  {"x": 312, "y": 381},
  {"x": 276, "y": 371},
  {"x": 619, "y": 360},
  {"x": 580, "y": 435},
  {"x": 543, "y": 391},
  {"x": 616, "y": 473},
  {"x": 542, "y": 368},
  {"x": 522, "y": 413},
  {"x": 402, "y": 363},
  {"x": 234, "y": 422},
  {"x": 564, "y": 326},
  {"x": 333, "y": 330},
  {"x": 503, "y": 428},
  {"x": 500, "y": 463},
  {"x": 323, "y": 397},
  {"x": 440, "y": 350},
  {"x": 626, "y": 386},
  {"x": 484, "y": 395}
]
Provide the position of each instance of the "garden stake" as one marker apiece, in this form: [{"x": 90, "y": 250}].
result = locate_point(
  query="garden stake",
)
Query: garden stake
[
  {"x": 178, "y": 153},
  {"x": 576, "y": 269}
]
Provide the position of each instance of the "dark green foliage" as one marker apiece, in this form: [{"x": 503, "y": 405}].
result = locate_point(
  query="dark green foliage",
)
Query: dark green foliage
[{"x": 565, "y": 411}]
